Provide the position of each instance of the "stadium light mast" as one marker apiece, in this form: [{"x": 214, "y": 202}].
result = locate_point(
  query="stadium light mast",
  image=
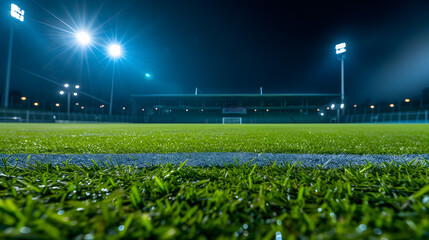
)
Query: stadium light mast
[
  {"x": 115, "y": 52},
  {"x": 17, "y": 13},
  {"x": 68, "y": 96},
  {"x": 340, "y": 50}
]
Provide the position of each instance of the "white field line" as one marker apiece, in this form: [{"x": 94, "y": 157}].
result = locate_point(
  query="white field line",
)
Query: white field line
[{"x": 211, "y": 159}]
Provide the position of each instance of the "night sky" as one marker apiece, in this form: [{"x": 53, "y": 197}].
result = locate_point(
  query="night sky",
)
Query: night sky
[{"x": 220, "y": 47}]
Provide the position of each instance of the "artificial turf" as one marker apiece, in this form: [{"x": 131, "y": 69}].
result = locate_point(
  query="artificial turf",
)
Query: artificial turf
[
  {"x": 248, "y": 202},
  {"x": 394, "y": 139},
  {"x": 389, "y": 201}
]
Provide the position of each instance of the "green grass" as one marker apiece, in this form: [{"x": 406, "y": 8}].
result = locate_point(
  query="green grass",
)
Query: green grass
[
  {"x": 176, "y": 202},
  {"x": 393, "y": 139}
]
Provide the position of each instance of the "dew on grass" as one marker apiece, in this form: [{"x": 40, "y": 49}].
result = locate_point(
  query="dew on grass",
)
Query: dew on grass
[
  {"x": 245, "y": 226},
  {"x": 361, "y": 228},
  {"x": 377, "y": 231},
  {"x": 25, "y": 230},
  {"x": 121, "y": 228},
  {"x": 88, "y": 237}
]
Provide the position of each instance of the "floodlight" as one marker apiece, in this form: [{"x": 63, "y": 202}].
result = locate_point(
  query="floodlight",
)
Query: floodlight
[
  {"x": 115, "y": 50},
  {"x": 17, "y": 12},
  {"x": 407, "y": 100},
  {"x": 66, "y": 85},
  {"x": 82, "y": 107},
  {"x": 322, "y": 114},
  {"x": 36, "y": 104},
  {"x": 372, "y": 106},
  {"x": 83, "y": 38},
  {"x": 61, "y": 92},
  {"x": 75, "y": 94},
  {"x": 332, "y": 106},
  {"x": 340, "y": 48},
  {"x": 57, "y": 104},
  {"x": 147, "y": 75},
  {"x": 23, "y": 98},
  {"x": 342, "y": 105},
  {"x": 392, "y": 105},
  {"x": 77, "y": 86}
]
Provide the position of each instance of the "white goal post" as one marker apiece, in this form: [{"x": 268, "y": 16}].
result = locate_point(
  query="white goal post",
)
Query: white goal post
[{"x": 232, "y": 120}]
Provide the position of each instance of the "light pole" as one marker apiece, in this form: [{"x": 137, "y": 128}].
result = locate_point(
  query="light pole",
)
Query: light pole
[
  {"x": 68, "y": 97},
  {"x": 340, "y": 50},
  {"x": 115, "y": 52},
  {"x": 17, "y": 13}
]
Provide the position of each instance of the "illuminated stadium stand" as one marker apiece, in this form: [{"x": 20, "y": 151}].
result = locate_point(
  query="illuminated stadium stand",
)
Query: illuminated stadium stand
[{"x": 251, "y": 108}]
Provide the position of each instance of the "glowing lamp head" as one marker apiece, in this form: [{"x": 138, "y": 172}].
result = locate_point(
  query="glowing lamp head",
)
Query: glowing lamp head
[
  {"x": 83, "y": 38},
  {"x": 75, "y": 94},
  {"x": 147, "y": 75},
  {"x": 342, "y": 105},
  {"x": 340, "y": 48},
  {"x": 17, "y": 12},
  {"x": 57, "y": 104},
  {"x": 23, "y": 98},
  {"x": 61, "y": 92},
  {"x": 77, "y": 86},
  {"x": 332, "y": 106},
  {"x": 66, "y": 85},
  {"x": 115, "y": 50},
  {"x": 407, "y": 100},
  {"x": 392, "y": 105},
  {"x": 372, "y": 106}
]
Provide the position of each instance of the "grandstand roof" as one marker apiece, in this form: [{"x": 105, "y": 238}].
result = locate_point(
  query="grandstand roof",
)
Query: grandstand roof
[{"x": 242, "y": 95}]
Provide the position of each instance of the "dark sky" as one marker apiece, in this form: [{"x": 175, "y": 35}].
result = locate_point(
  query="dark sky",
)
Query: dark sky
[{"x": 221, "y": 47}]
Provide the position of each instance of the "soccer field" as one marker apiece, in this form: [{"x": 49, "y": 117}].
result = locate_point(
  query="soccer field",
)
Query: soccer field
[
  {"x": 387, "y": 201},
  {"x": 393, "y": 139}
]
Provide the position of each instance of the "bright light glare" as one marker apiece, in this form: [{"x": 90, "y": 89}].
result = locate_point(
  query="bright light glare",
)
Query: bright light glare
[
  {"x": 23, "y": 98},
  {"x": 83, "y": 38},
  {"x": 57, "y": 104},
  {"x": 147, "y": 75},
  {"x": 77, "y": 86},
  {"x": 342, "y": 105},
  {"x": 61, "y": 92},
  {"x": 115, "y": 50},
  {"x": 322, "y": 114},
  {"x": 340, "y": 48},
  {"x": 66, "y": 85},
  {"x": 17, "y": 12},
  {"x": 75, "y": 94},
  {"x": 372, "y": 106},
  {"x": 392, "y": 105},
  {"x": 332, "y": 106},
  {"x": 407, "y": 100}
]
